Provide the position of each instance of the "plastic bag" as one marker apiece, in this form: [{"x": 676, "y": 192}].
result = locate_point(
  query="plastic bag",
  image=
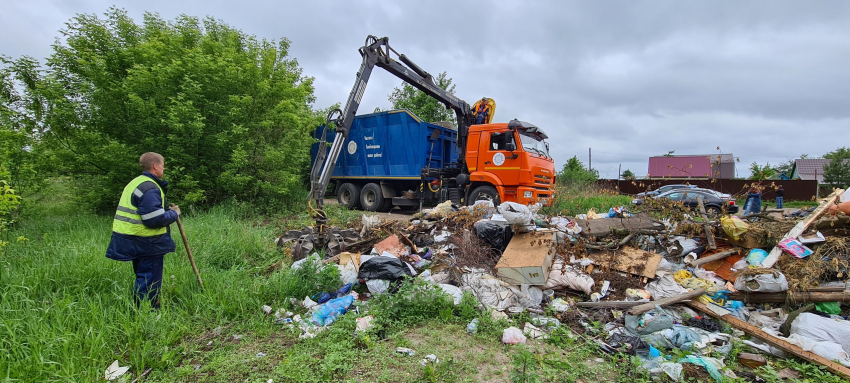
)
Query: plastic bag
[
  {"x": 637, "y": 294},
  {"x": 390, "y": 268},
  {"x": 513, "y": 335},
  {"x": 826, "y": 349},
  {"x": 348, "y": 273},
  {"x": 833, "y": 308},
  {"x": 756, "y": 257},
  {"x": 772, "y": 282},
  {"x": 567, "y": 276},
  {"x": 369, "y": 222},
  {"x": 734, "y": 226},
  {"x": 327, "y": 313},
  {"x": 515, "y": 213},
  {"x": 673, "y": 370},
  {"x": 665, "y": 287},
  {"x": 485, "y": 206},
  {"x": 454, "y": 291},
  {"x": 822, "y": 329},
  {"x": 711, "y": 364},
  {"x": 652, "y": 321},
  {"x": 378, "y": 286},
  {"x": 496, "y": 235}
]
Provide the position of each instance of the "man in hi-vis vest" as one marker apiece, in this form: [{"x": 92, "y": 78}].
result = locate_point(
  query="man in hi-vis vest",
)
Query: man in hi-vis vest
[{"x": 140, "y": 231}]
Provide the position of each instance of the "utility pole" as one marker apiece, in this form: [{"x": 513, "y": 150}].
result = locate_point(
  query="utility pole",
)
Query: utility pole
[{"x": 589, "y": 160}]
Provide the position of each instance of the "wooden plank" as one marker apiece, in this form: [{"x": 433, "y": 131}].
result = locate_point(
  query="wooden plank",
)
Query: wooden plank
[
  {"x": 795, "y": 297},
  {"x": 644, "y": 307},
  {"x": 712, "y": 258},
  {"x": 709, "y": 234},
  {"x": 601, "y": 227},
  {"x": 629, "y": 260},
  {"x": 801, "y": 227},
  {"x": 774, "y": 341}
]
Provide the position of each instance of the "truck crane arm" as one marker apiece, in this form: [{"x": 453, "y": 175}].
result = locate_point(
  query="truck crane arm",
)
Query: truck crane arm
[{"x": 376, "y": 52}]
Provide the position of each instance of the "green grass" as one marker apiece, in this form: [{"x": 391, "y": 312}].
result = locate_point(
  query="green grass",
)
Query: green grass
[{"x": 574, "y": 200}]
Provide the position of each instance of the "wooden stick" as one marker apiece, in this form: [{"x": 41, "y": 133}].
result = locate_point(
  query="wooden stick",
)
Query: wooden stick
[
  {"x": 712, "y": 258},
  {"x": 801, "y": 227},
  {"x": 609, "y": 304},
  {"x": 189, "y": 251},
  {"x": 793, "y": 297},
  {"x": 774, "y": 341},
  {"x": 644, "y": 307},
  {"x": 709, "y": 234},
  {"x": 144, "y": 374}
]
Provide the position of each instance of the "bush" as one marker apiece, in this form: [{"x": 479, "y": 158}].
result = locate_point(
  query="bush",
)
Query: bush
[{"x": 230, "y": 113}]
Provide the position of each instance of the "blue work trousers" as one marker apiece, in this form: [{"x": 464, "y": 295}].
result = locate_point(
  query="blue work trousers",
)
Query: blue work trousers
[
  {"x": 148, "y": 279},
  {"x": 779, "y": 202}
]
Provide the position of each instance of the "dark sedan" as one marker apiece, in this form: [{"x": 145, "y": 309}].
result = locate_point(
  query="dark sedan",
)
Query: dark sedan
[{"x": 713, "y": 204}]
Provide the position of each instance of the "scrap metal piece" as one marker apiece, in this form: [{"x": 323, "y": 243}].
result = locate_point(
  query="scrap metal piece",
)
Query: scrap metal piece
[{"x": 329, "y": 240}]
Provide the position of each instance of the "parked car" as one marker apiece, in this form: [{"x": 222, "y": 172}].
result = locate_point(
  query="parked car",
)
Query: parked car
[
  {"x": 723, "y": 196},
  {"x": 665, "y": 188},
  {"x": 714, "y": 205}
]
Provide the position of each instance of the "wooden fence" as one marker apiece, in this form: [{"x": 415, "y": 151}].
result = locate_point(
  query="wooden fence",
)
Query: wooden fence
[{"x": 795, "y": 190}]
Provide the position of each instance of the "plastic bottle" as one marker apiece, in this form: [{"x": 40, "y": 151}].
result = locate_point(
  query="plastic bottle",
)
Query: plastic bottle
[{"x": 472, "y": 327}]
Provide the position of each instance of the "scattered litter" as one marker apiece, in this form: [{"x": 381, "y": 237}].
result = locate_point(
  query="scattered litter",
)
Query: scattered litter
[
  {"x": 472, "y": 327},
  {"x": 364, "y": 323},
  {"x": 237, "y": 337},
  {"x": 114, "y": 371},
  {"x": 513, "y": 335},
  {"x": 532, "y": 332},
  {"x": 267, "y": 309},
  {"x": 405, "y": 351},
  {"x": 216, "y": 331},
  {"x": 261, "y": 354},
  {"x": 430, "y": 358}
]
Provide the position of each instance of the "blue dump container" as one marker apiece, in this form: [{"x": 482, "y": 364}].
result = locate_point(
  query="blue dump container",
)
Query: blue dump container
[{"x": 392, "y": 145}]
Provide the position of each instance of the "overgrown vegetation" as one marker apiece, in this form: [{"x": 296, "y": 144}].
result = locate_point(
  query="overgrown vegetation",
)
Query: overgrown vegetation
[
  {"x": 230, "y": 112},
  {"x": 574, "y": 173},
  {"x": 579, "y": 199}
]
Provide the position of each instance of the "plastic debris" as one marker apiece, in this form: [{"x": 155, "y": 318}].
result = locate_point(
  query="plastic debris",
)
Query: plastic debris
[
  {"x": 771, "y": 282},
  {"x": 364, "y": 323},
  {"x": 472, "y": 327},
  {"x": 567, "y": 276},
  {"x": 430, "y": 358},
  {"x": 114, "y": 371},
  {"x": 513, "y": 335},
  {"x": 405, "y": 351},
  {"x": 328, "y": 312}
]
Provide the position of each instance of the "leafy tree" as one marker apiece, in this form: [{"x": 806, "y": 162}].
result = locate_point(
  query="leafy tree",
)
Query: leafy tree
[
  {"x": 627, "y": 174},
  {"x": 230, "y": 113},
  {"x": 16, "y": 156},
  {"x": 838, "y": 154},
  {"x": 761, "y": 172},
  {"x": 423, "y": 105},
  {"x": 836, "y": 173},
  {"x": 788, "y": 167},
  {"x": 574, "y": 172}
]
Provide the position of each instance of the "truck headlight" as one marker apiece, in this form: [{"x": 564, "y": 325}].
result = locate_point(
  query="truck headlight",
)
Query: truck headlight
[{"x": 527, "y": 194}]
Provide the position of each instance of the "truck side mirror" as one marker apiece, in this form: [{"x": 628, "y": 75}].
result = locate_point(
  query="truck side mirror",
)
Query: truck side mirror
[{"x": 510, "y": 146}]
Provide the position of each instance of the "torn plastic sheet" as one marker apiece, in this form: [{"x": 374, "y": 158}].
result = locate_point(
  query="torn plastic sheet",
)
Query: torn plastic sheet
[{"x": 569, "y": 277}]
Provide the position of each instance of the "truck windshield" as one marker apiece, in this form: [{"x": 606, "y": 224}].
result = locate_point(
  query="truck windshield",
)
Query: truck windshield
[{"x": 534, "y": 145}]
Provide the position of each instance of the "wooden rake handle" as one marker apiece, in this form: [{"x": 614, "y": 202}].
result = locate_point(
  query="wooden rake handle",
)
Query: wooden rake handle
[{"x": 189, "y": 251}]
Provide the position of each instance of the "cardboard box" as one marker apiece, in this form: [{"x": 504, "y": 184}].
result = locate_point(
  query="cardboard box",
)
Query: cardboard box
[{"x": 528, "y": 258}]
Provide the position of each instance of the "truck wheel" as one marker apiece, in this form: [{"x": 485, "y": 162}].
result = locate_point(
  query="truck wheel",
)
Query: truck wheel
[
  {"x": 371, "y": 198},
  {"x": 349, "y": 195},
  {"x": 484, "y": 193}
]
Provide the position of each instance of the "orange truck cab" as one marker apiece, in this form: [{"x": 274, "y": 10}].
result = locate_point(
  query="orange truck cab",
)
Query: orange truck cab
[{"x": 511, "y": 160}]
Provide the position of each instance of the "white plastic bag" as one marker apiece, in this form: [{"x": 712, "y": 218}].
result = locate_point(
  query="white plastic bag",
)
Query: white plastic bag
[
  {"x": 513, "y": 335},
  {"x": 348, "y": 273},
  {"x": 515, "y": 213},
  {"x": 567, "y": 276},
  {"x": 377, "y": 286},
  {"x": 665, "y": 287},
  {"x": 774, "y": 282},
  {"x": 369, "y": 222},
  {"x": 822, "y": 329},
  {"x": 454, "y": 291}
]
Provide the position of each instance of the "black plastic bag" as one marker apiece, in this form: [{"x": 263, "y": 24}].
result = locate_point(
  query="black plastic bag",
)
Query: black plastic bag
[
  {"x": 496, "y": 235},
  {"x": 389, "y": 268}
]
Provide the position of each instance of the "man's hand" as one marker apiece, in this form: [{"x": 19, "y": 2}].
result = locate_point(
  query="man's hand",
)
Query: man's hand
[{"x": 174, "y": 207}]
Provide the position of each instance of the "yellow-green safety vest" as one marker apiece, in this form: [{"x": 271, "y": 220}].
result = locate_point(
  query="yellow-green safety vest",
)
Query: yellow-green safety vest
[{"x": 127, "y": 219}]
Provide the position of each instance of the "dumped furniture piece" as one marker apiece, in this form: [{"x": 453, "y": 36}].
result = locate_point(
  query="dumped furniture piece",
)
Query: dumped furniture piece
[{"x": 802, "y": 226}]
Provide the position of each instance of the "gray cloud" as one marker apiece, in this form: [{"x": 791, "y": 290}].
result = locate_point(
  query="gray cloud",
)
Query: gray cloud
[{"x": 765, "y": 80}]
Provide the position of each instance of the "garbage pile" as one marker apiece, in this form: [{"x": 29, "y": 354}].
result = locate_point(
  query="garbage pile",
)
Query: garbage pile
[{"x": 775, "y": 281}]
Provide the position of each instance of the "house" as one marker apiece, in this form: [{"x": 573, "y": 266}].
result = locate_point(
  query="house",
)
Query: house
[
  {"x": 810, "y": 169},
  {"x": 719, "y": 166}
]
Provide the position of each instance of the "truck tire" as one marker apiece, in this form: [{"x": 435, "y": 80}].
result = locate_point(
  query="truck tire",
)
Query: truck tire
[
  {"x": 371, "y": 197},
  {"x": 485, "y": 192},
  {"x": 349, "y": 195}
]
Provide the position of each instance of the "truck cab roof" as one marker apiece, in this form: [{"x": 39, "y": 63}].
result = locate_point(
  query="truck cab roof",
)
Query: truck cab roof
[{"x": 521, "y": 126}]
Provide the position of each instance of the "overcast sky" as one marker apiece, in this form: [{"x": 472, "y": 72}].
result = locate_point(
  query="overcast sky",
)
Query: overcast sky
[{"x": 763, "y": 80}]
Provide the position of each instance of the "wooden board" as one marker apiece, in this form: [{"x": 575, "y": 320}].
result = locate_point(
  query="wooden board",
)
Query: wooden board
[
  {"x": 527, "y": 259},
  {"x": 601, "y": 227},
  {"x": 801, "y": 227},
  {"x": 629, "y": 260},
  {"x": 774, "y": 341}
]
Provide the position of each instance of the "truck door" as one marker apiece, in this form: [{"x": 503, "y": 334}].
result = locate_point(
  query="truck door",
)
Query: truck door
[{"x": 500, "y": 161}]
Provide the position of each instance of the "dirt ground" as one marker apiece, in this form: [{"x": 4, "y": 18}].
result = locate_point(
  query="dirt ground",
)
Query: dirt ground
[{"x": 396, "y": 214}]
